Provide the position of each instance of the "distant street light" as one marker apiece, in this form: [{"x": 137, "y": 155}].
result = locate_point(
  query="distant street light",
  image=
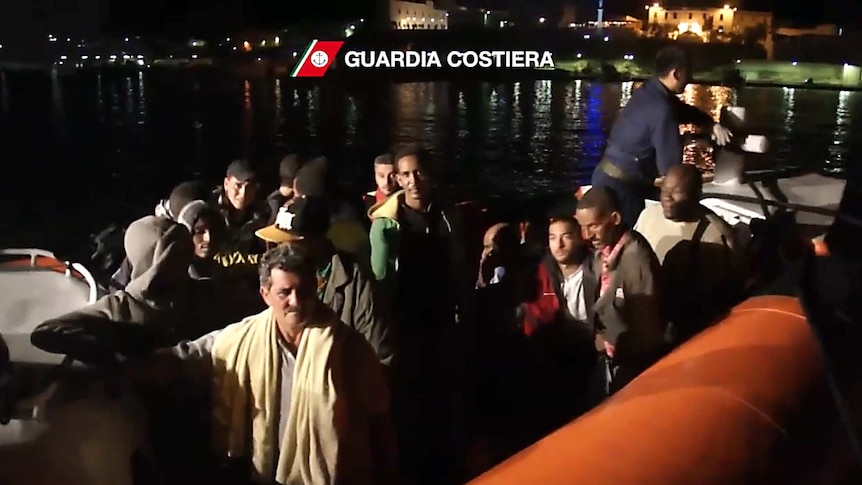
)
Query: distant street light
[{"x": 541, "y": 20}]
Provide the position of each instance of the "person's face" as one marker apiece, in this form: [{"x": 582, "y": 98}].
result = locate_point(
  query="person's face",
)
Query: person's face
[
  {"x": 678, "y": 79},
  {"x": 412, "y": 179},
  {"x": 204, "y": 238},
  {"x": 240, "y": 194},
  {"x": 676, "y": 198},
  {"x": 564, "y": 241},
  {"x": 384, "y": 177},
  {"x": 600, "y": 228},
  {"x": 290, "y": 298}
]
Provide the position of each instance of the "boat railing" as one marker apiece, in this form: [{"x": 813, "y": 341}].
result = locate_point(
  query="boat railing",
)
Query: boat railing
[{"x": 35, "y": 254}]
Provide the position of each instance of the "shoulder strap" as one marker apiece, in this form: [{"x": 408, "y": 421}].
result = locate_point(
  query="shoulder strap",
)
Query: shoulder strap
[{"x": 699, "y": 231}]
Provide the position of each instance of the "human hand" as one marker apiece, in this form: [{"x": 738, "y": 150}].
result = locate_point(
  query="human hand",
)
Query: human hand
[
  {"x": 609, "y": 349},
  {"x": 721, "y": 135}
]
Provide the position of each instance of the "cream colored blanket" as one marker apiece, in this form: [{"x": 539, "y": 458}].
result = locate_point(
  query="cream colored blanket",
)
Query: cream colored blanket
[{"x": 246, "y": 407}]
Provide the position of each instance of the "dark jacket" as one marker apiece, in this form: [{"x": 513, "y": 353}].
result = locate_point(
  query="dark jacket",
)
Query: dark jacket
[
  {"x": 628, "y": 314},
  {"x": 241, "y": 250},
  {"x": 349, "y": 293},
  {"x": 385, "y": 238},
  {"x": 275, "y": 201},
  {"x": 645, "y": 140},
  {"x": 160, "y": 306},
  {"x": 546, "y": 305}
]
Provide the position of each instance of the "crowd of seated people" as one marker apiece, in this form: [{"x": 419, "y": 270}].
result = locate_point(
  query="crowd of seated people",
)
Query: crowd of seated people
[{"x": 421, "y": 341}]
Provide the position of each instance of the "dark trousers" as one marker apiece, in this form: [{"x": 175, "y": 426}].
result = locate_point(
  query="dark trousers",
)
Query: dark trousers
[
  {"x": 428, "y": 407},
  {"x": 631, "y": 195}
]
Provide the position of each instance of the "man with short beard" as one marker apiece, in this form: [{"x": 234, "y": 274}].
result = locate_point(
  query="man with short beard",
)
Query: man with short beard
[
  {"x": 557, "y": 320},
  {"x": 627, "y": 313},
  {"x": 384, "y": 179}
]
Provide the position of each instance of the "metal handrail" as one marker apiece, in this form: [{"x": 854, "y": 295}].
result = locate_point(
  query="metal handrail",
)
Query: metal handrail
[{"x": 35, "y": 254}]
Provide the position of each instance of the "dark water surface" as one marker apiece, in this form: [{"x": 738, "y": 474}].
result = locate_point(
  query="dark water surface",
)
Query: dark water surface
[{"x": 86, "y": 149}]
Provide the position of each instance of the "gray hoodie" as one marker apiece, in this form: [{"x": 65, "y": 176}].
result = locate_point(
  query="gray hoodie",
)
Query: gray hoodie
[{"x": 160, "y": 306}]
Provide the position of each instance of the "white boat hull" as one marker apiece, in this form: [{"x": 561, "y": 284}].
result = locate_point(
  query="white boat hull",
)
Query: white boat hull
[
  {"x": 55, "y": 438},
  {"x": 811, "y": 190}
]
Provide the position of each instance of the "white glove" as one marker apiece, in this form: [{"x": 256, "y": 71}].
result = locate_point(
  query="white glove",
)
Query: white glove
[{"x": 721, "y": 135}]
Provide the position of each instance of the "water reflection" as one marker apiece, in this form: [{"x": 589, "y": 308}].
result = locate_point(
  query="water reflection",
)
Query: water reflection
[
  {"x": 279, "y": 112},
  {"x": 499, "y": 139},
  {"x": 626, "y": 89},
  {"x": 56, "y": 97},
  {"x": 247, "y": 126},
  {"x": 142, "y": 99},
  {"x": 129, "y": 95},
  {"x": 719, "y": 97},
  {"x": 789, "y": 108},
  {"x": 100, "y": 97},
  {"x": 837, "y": 151}
]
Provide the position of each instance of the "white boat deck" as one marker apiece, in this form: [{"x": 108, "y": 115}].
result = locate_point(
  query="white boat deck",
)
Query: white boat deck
[{"x": 811, "y": 190}]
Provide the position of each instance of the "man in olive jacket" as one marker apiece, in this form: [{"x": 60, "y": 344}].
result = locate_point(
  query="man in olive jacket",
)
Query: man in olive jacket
[{"x": 627, "y": 313}]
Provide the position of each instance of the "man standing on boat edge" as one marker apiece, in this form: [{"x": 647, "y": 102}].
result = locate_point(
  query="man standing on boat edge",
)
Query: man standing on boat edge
[{"x": 645, "y": 140}]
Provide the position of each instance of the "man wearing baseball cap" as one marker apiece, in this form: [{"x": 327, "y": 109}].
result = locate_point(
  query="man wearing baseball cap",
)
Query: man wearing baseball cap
[
  {"x": 345, "y": 231},
  {"x": 342, "y": 284},
  {"x": 287, "y": 170}
]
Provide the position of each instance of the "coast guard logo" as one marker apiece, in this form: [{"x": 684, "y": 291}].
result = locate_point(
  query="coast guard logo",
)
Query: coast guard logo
[
  {"x": 317, "y": 58},
  {"x": 284, "y": 219}
]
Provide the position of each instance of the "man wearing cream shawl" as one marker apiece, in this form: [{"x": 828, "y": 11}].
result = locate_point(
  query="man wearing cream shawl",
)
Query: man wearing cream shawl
[{"x": 297, "y": 394}]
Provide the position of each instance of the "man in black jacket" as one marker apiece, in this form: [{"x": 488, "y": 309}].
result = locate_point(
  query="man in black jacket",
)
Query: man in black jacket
[{"x": 244, "y": 213}]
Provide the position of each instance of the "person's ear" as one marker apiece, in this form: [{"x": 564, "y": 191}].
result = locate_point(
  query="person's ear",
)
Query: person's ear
[{"x": 616, "y": 218}]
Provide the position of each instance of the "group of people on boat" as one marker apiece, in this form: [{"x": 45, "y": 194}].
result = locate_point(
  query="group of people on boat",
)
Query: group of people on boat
[{"x": 418, "y": 342}]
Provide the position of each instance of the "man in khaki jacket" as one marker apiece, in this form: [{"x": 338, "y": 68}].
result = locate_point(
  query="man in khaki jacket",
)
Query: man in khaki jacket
[{"x": 627, "y": 313}]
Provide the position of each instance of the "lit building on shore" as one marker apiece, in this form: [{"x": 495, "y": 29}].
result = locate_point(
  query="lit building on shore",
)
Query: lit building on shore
[
  {"x": 706, "y": 24},
  {"x": 417, "y": 16}
]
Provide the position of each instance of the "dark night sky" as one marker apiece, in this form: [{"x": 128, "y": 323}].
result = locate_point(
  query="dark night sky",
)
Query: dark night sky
[
  {"x": 36, "y": 17},
  {"x": 285, "y": 11}
]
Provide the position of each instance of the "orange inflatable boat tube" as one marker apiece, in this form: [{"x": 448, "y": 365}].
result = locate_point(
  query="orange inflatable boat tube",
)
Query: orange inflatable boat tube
[{"x": 745, "y": 402}]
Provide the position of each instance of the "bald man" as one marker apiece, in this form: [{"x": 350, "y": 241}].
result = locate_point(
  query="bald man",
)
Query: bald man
[
  {"x": 697, "y": 250},
  {"x": 499, "y": 247}
]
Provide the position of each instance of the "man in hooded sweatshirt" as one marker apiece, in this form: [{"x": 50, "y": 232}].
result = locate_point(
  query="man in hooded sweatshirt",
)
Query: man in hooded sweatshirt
[
  {"x": 160, "y": 306},
  {"x": 186, "y": 205}
]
